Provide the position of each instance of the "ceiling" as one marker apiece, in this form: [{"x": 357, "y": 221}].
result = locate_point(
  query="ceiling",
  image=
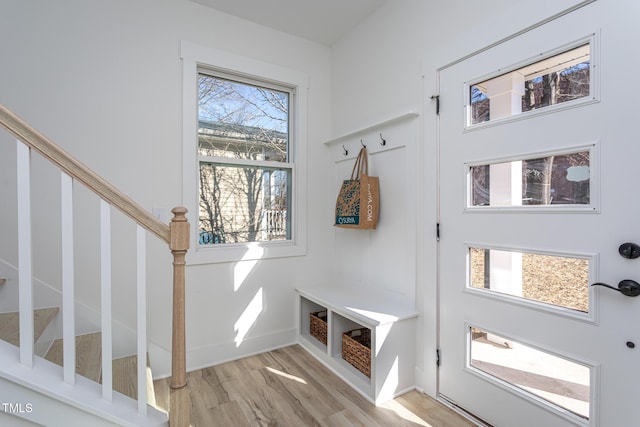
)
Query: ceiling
[{"x": 322, "y": 21}]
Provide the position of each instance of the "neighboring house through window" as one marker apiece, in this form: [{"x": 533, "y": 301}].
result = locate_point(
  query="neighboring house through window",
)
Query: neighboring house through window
[{"x": 242, "y": 160}]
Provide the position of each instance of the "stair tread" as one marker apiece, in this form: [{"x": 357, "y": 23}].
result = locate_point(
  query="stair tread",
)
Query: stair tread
[
  {"x": 88, "y": 355},
  {"x": 125, "y": 378},
  {"x": 10, "y": 324},
  {"x": 89, "y": 365}
]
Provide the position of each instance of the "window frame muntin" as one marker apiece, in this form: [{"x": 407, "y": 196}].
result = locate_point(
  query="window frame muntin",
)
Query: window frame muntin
[{"x": 197, "y": 57}]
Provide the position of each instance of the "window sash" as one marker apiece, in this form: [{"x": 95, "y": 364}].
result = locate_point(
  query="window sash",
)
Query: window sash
[
  {"x": 265, "y": 83},
  {"x": 246, "y": 79},
  {"x": 247, "y": 218}
]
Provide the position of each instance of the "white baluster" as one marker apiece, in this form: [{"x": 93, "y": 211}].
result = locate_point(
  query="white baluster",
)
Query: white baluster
[
  {"x": 68, "y": 293},
  {"x": 105, "y": 293},
  {"x": 25, "y": 267},
  {"x": 141, "y": 287}
]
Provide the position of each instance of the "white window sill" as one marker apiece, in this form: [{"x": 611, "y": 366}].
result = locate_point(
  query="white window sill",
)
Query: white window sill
[{"x": 234, "y": 252}]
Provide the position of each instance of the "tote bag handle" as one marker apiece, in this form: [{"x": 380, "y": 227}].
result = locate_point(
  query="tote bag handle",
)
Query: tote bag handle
[{"x": 361, "y": 166}]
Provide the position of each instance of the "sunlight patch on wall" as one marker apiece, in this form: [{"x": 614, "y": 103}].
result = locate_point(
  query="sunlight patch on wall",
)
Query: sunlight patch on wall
[
  {"x": 243, "y": 268},
  {"x": 248, "y": 317},
  {"x": 390, "y": 384}
]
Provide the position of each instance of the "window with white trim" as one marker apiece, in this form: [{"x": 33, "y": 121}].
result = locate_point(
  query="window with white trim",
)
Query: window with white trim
[{"x": 243, "y": 148}]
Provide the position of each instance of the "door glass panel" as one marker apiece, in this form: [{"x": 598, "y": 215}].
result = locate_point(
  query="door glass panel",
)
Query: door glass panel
[
  {"x": 561, "y": 382},
  {"x": 563, "y": 179},
  {"x": 557, "y": 280},
  {"x": 554, "y": 80}
]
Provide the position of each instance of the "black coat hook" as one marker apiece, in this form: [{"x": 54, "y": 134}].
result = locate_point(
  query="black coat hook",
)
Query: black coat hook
[
  {"x": 362, "y": 143},
  {"x": 437, "y": 98},
  {"x": 383, "y": 142},
  {"x": 346, "y": 152}
]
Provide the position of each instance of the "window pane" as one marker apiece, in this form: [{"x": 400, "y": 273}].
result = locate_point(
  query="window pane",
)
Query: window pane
[
  {"x": 554, "y": 80},
  {"x": 556, "y": 280},
  {"x": 559, "y": 381},
  {"x": 239, "y": 120},
  {"x": 243, "y": 204},
  {"x": 553, "y": 180}
]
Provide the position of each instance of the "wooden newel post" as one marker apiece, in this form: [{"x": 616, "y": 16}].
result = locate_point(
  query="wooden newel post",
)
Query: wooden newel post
[
  {"x": 179, "y": 245},
  {"x": 179, "y": 405}
]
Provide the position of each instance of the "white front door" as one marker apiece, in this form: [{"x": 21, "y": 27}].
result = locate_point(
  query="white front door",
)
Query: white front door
[{"x": 539, "y": 187}]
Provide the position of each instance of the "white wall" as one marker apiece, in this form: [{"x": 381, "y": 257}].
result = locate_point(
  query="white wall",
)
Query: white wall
[
  {"x": 103, "y": 79},
  {"x": 388, "y": 65},
  {"x": 381, "y": 260}
]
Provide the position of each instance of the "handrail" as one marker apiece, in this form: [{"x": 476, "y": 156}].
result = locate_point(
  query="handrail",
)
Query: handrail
[{"x": 73, "y": 167}]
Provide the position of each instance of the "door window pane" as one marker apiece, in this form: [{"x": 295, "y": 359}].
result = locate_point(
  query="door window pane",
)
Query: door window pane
[
  {"x": 563, "y": 179},
  {"x": 554, "y": 80},
  {"x": 550, "y": 279},
  {"x": 557, "y": 380}
]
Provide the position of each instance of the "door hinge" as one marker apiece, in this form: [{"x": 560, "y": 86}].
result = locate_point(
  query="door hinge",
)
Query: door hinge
[
  {"x": 437, "y": 98},
  {"x": 438, "y": 231},
  {"x": 438, "y": 357}
]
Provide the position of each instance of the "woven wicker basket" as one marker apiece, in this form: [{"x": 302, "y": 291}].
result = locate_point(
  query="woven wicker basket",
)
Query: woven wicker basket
[
  {"x": 356, "y": 349},
  {"x": 318, "y": 325}
]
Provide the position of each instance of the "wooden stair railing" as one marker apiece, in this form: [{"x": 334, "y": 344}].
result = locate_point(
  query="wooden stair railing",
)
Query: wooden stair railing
[
  {"x": 78, "y": 171},
  {"x": 176, "y": 235}
]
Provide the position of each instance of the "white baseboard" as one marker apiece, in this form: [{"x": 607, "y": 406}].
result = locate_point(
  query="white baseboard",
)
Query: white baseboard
[{"x": 206, "y": 356}]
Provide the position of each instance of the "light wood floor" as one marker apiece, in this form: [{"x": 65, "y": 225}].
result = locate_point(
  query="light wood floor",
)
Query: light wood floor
[{"x": 288, "y": 387}]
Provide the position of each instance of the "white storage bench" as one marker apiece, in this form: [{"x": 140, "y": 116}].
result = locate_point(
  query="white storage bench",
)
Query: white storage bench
[{"x": 392, "y": 324}]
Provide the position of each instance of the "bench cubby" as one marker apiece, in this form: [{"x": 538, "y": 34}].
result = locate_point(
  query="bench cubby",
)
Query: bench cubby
[{"x": 392, "y": 324}]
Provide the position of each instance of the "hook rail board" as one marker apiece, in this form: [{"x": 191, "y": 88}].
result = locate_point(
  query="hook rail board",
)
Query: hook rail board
[
  {"x": 381, "y": 137},
  {"x": 375, "y": 126},
  {"x": 352, "y": 155}
]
